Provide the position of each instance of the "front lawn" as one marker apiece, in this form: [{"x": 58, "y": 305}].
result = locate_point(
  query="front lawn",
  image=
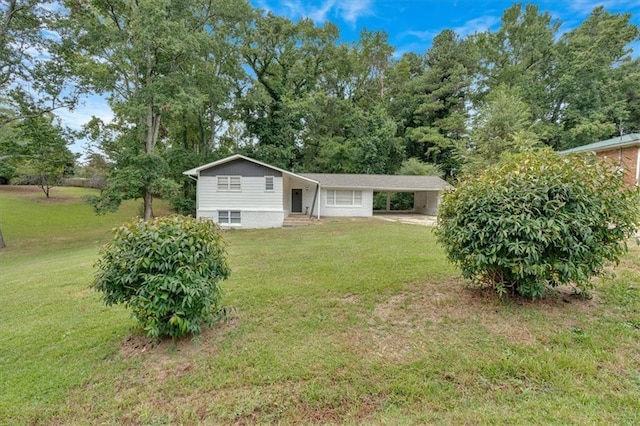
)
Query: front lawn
[{"x": 349, "y": 321}]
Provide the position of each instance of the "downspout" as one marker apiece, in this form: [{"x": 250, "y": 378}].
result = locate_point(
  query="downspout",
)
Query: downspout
[
  {"x": 313, "y": 205},
  {"x": 638, "y": 167},
  {"x": 197, "y": 198}
]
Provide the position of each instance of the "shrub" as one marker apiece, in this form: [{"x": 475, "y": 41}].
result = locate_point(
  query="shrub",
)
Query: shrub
[
  {"x": 168, "y": 271},
  {"x": 538, "y": 220}
]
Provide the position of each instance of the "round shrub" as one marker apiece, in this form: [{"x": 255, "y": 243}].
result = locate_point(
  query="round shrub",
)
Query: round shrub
[
  {"x": 168, "y": 271},
  {"x": 537, "y": 220}
]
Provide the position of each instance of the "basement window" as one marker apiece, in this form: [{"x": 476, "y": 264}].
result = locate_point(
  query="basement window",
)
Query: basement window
[{"x": 229, "y": 217}]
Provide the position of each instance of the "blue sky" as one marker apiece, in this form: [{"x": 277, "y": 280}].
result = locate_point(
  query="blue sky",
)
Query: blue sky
[{"x": 411, "y": 25}]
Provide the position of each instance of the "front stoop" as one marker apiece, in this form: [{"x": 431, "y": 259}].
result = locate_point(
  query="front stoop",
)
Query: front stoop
[{"x": 297, "y": 220}]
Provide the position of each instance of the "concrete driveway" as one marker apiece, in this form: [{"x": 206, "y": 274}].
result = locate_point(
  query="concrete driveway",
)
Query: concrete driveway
[{"x": 411, "y": 218}]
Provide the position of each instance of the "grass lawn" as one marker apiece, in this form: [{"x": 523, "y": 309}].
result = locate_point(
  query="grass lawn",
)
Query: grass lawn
[{"x": 349, "y": 321}]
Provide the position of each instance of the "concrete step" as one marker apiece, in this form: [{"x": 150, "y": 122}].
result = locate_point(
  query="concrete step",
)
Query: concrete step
[{"x": 297, "y": 220}]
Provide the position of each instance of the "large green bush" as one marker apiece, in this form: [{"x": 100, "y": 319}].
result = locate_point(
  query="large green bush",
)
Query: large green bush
[
  {"x": 537, "y": 220},
  {"x": 168, "y": 271}
]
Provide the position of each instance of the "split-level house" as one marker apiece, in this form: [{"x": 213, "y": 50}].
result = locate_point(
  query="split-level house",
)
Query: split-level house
[{"x": 239, "y": 191}]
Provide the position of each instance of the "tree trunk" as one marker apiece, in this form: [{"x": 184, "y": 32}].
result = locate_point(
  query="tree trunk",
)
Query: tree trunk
[
  {"x": 2, "y": 244},
  {"x": 153, "y": 127},
  {"x": 148, "y": 205}
]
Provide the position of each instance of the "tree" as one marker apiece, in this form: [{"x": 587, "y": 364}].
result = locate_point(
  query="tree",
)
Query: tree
[
  {"x": 521, "y": 55},
  {"x": 428, "y": 98},
  {"x": 34, "y": 78},
  {"x": 142, "y": 55},
  {"x": 414, "y": 167},
  {"x": 347, "y": 128},
  {"x": 598, "y": 78},
  {"x": 537, "y": 220},
  {"x": 502, "y": 125},
  {"x": 168, "y": 271},
  {"x": 286, "y": 60},
  {"x": 41, "y": 153}
]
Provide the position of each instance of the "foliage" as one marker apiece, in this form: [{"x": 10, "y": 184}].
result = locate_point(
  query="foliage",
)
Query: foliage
[
  {"x": 135, "y": 177},
  {"x": 415, "y": 167},
  {"x": 538, "y": 220},
  {"x": 502, "y": 125},
  {"x": 151, "y": 69},
  {"x": 168, "y": 271},
  {"x": 38, "y": 149},
  {"x": 428, "y": 96}
]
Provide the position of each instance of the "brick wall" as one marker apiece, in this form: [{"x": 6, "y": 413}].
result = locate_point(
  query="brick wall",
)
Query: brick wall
[{"x": 628, "y": 158}]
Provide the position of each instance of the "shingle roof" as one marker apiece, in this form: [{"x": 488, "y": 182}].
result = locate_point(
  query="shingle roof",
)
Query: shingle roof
[
  {"x": 618, "y": 142},
  {"x": 379, "y": 182},
  {"x": 374, "y": 182}
]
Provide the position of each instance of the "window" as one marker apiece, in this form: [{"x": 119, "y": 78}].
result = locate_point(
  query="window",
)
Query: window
[
  {"x": 268, "y": 183},
  {"x": 229, "y": 183},
  {"x": 344, "y": 198},
  {"x": 229, "y": 217}
]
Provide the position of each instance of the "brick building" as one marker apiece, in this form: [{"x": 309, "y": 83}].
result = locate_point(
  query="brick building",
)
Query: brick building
[{"x": 625, "y": 150}]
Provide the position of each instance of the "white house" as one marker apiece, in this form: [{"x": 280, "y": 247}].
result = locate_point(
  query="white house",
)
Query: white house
[{"x": 239, "y": 191}]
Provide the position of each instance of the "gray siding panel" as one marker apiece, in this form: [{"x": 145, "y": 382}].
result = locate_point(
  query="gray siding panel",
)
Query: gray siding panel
[{"x": 240, "y": 167}]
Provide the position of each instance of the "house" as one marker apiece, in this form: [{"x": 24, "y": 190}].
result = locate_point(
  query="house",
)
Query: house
[
  {"x": 625, "y": 150},
  {"x": 239, "y": 191}
]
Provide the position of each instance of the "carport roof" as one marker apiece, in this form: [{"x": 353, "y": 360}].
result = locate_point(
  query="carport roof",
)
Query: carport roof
[{"x": 379, "y": 182}]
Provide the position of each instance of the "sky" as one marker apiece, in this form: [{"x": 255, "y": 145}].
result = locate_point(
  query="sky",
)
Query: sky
[{"x": 410, "y": 24}]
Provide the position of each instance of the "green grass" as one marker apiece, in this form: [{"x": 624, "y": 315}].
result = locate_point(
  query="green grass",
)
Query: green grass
[{"x": 352, "y": 321}]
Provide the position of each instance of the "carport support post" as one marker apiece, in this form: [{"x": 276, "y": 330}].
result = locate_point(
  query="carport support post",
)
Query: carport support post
[{"x": 388, "y": 201}]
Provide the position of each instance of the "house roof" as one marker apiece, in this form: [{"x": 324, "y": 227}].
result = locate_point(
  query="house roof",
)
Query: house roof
[
  {"x": 624, "y": 141},
  {"x": 196, "y": 171},
  {"x": 352, "y": 181},
  {"x": 380, "y": 182}
]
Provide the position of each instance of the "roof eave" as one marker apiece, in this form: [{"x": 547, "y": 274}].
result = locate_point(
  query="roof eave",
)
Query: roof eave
[{"x": 197, "y": 170}]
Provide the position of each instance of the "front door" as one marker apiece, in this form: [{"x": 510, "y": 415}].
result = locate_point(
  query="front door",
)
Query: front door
[{"x": 296, "y": 201}]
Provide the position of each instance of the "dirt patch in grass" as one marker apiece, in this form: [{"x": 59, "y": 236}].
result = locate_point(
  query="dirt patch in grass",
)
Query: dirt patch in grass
[
  {"x": 405, "y": 324},
  {"x": 36, "y": 194},
  {"x": 139, "y": 344},
  {"x": 20, "y": 189},
  {"x": 349, "y": 299}
]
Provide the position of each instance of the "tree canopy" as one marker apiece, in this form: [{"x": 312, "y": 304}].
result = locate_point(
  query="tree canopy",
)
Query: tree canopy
[{"x": 191, "y": 81}]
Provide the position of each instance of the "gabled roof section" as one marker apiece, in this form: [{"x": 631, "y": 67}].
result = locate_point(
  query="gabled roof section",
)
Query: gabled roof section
[
  {"x": 196, "y": 171},
  {"x": 625, "y": 141},
  {"x": 380, "y": 182}
]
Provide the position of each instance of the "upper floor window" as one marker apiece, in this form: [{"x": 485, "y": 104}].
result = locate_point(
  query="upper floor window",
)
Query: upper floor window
[
  {"x": 268, "y": 183},
  {"x": 229, "y": 183}
]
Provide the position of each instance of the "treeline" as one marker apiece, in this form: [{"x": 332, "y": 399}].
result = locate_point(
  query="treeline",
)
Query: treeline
[{"x": 191, "y": 81}]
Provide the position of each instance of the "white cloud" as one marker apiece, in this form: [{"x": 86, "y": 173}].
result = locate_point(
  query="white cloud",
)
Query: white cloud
[
  {"x": 420, "y": 35},
  {"x": 320, "y": 14},
  {"x": 476, "y": 25},
  {"x": 352, "y": 10},
  {"x": 347, "y": 10}
]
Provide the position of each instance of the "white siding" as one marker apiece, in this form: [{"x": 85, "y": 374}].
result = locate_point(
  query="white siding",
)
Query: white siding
[
  {"x": 253, "y": 195},
  {"x": 258, "y": 207},
  {"x": 249, "y": 219},
  {"x": 426, "y": 202},
  {"x": 365, "y": 210}
]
